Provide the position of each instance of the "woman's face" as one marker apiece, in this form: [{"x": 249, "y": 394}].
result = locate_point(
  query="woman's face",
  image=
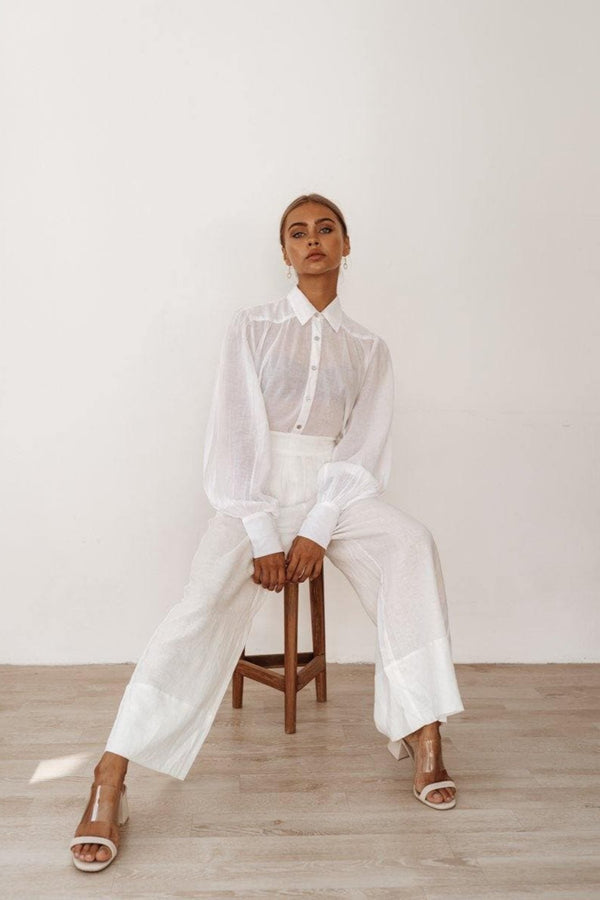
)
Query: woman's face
[{"x": 313, "y": 227}]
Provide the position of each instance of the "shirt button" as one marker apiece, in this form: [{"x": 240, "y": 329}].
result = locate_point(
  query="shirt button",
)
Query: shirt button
[
  {"x": 307, "y": 398},
  {"x": 316, "y": 337},
  {"x": 298, "y": 426},
  {"x": 313, "y": 367}
]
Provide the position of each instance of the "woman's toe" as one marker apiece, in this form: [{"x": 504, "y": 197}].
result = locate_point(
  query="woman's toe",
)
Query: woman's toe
[{"x": 93, "y": 852}]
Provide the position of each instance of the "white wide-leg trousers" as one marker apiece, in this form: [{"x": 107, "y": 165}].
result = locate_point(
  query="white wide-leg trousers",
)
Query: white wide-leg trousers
[{"x": 389, "y": 558}]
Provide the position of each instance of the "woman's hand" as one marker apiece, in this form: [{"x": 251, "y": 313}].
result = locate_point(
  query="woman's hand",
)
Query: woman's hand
[
  {"x": 304, "y": 559},
  {"x": 269, "y": 571}
]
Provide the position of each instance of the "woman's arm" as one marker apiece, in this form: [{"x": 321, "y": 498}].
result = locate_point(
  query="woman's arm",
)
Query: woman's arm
[
  {"x": 361, "y": 462},
  {"x": 237, "y": 449}
]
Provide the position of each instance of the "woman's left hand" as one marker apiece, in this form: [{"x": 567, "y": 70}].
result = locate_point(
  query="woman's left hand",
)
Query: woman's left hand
[{"x": 304, "y": 560}]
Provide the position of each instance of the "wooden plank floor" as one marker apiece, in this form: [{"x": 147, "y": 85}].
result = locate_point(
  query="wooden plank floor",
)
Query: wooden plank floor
[{"x": 326, "y": 812}]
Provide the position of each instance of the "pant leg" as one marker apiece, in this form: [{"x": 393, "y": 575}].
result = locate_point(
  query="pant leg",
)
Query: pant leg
[
  {"x": 392, "y": 562},
  {"x": 176, "y": 689}
]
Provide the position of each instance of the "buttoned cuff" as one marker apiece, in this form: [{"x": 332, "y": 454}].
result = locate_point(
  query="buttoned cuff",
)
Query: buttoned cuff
[
  {"x": 320, "y": 523},
  {"x": 263, "y": 534}
]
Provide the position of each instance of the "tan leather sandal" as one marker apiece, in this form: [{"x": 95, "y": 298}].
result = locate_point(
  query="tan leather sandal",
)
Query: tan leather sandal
[
  {"x": 401, "y": 749},
  {"x": 104, "y": 800}
]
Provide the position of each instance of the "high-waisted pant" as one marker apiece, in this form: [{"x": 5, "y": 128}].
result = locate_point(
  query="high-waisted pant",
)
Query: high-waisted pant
[{"x": 389, "y": 558}]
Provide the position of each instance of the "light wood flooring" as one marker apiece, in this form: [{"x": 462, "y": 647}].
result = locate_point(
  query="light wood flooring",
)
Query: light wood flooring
[{"x": 325, "y": 812}]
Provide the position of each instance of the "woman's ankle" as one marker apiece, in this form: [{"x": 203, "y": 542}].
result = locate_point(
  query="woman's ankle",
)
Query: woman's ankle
[
  {"x": 430, "y": 728},
  {"x": 111, "y": 767}
]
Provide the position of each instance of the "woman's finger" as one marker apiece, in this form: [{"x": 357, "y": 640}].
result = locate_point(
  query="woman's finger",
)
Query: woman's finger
[
  {"x": 304, "y": 570},
  {"x": 292, "y": 566},
  {"x": 280, "y": 578}
]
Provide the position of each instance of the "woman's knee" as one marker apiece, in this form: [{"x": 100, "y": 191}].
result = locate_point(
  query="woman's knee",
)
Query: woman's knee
[{"x": 408, "y": 528}]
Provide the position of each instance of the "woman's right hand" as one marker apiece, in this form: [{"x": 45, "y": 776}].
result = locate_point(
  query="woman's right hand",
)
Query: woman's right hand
[{"x": 269, "y": 571}]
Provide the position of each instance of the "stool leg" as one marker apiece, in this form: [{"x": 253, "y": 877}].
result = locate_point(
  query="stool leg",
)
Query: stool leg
[
  {"x": 237, "y": 686},
  {"x": 317, "y": 619},
  {"x": 290, "y": 615}
]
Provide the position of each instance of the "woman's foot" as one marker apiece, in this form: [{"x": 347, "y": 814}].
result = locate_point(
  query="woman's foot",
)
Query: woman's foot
[
  {"x": 427, "y": 746},
  {"x": 111, "y": 769}
]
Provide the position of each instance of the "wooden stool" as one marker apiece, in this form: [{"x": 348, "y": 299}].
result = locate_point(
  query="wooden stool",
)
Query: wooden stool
[{"x": 313, "y": 664}]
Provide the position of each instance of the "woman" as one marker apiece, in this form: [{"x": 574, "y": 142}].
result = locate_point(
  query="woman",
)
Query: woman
[{"x": 297, "y": 452}]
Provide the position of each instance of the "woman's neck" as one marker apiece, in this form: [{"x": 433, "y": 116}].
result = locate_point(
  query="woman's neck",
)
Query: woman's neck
[{"x": 319, "y": 289}]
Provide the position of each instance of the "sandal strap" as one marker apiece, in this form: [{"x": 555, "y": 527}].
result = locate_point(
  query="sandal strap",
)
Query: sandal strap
[
  {"x": 433, "y": 786},
  {"x": 94, "y": 839},
  {"x": 106, "y": 830}
]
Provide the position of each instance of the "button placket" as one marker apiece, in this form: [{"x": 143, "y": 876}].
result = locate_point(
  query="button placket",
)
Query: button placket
[{"x": 313, "y": 372}]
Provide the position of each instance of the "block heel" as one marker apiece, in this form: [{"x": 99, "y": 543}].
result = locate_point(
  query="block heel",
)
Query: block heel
[{"x": 398, "y": 749}]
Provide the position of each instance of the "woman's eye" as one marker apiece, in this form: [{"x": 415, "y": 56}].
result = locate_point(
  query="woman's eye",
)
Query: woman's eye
[{"x": 328, "y": 227}]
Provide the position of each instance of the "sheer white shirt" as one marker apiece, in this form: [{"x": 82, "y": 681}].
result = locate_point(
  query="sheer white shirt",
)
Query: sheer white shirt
[{"x": 284, "y": 366}]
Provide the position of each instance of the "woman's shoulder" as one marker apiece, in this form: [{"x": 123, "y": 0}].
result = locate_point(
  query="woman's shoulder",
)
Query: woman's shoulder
[
  {"x": 271, "y": 311},
  {"x": 360, "y": 331}
]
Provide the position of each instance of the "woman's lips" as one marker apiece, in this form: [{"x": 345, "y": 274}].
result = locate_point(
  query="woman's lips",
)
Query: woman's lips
[{"x": 315, "y": 256}]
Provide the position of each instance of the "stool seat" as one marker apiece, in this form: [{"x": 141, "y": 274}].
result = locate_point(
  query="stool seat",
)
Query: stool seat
[{"x": 257, "y": 666}]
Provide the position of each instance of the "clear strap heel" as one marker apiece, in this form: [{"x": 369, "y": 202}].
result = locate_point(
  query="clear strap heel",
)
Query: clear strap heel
[
  {"x": 402, "y": 748},
  {"x": 100, "y": 813}
]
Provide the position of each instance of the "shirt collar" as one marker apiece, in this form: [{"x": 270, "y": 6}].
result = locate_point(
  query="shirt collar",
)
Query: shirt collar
[{"x": 304, "y": 309}]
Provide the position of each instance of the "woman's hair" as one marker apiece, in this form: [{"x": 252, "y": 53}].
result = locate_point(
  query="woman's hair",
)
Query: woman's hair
[{"x": 317, "y": 198}]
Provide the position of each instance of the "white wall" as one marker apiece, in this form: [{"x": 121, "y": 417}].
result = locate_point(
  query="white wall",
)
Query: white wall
[{"x": 148, "y": 150}]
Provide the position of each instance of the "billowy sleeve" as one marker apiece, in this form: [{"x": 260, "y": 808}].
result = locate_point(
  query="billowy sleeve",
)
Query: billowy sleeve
[
  {"x": 237, "y": 448},
  {"x": 361, "y": 462}
]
